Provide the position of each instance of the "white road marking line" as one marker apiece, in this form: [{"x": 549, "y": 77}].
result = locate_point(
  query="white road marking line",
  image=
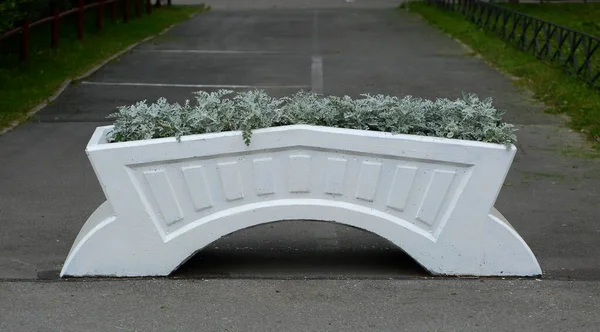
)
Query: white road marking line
[
  {"x": 316, "y": 76},
  {"x": 316, "y": 67},
  {"x": 212, "y": 51},
  {"x": 211, "y": 86}
]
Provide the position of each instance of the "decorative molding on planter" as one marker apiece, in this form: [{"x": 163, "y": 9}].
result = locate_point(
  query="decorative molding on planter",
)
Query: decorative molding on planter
[{"x": 166, "y": 200}]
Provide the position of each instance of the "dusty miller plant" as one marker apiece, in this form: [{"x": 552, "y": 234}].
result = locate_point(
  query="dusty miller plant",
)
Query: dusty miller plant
[{"x": 466, "y": 118}]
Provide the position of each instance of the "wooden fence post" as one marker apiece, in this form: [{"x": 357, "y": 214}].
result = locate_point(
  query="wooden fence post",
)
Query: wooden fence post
[
  {"x": 80, "y": 16},
  {"x": 55, "y": 25},
  {"x": 149, "y": 6},
  {"x": 25, "y": 41}
]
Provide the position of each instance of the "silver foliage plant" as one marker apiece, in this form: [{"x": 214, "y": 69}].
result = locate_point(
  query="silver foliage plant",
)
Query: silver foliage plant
[{"x": 466, "y": 118}]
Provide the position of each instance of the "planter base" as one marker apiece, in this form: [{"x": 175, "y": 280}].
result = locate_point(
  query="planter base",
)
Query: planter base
[
  {"x": 167, "y": 199},
  {"x": 506, "y": 253}
]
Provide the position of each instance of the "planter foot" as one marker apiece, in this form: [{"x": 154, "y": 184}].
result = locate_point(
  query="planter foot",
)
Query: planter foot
[
  {"x": 108, "y": 246},
  {"x": 506, "y": 252}
]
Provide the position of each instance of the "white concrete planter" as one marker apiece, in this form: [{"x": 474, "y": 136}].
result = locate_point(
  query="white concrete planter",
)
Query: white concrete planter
[{"x": 166, "y": 200}]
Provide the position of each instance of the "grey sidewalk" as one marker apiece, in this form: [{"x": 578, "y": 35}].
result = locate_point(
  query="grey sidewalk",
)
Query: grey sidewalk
[{"x": 48, "y": 189}]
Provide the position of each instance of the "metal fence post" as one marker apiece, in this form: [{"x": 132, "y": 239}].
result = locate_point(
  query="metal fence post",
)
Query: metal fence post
[
  {"x": 126, "y": 11},
  {"x": 113, "y": 10},
  {"x": 80, "y": 16},
  {"x": 100, "y": 13},
  {"x": 25, "y": 41},
  {"x": 55, "y": 25},
  {"x": 138, "y": 8}
]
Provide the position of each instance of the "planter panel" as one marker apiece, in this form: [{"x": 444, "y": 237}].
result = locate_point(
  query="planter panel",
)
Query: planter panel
[{"x": 167, "y": 199}]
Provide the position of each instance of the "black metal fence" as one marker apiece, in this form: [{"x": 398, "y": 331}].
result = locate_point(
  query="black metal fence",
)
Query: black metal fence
[{"x": 577, "y": 52}]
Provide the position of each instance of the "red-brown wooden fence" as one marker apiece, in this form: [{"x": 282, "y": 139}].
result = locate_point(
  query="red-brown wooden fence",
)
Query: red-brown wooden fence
[{"x": 80, "y": 9}]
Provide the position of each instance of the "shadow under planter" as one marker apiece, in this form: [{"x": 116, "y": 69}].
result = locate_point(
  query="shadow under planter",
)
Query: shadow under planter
[
  {"x": 301, "y": 249},
  {"x": 167, "y": 199}
]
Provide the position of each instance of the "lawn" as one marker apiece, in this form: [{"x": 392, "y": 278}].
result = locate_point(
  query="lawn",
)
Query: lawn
[
  {"x": 24, "y": 85},
  {"x": 560, "y": 91},
  {"x": 584, "y": 17}
]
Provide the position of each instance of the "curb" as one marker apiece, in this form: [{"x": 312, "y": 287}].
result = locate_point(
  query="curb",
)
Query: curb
[{"x": 68, "y": 82}]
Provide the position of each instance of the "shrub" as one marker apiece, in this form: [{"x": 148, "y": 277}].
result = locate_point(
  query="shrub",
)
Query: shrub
[{"x": 466, "y": 118}]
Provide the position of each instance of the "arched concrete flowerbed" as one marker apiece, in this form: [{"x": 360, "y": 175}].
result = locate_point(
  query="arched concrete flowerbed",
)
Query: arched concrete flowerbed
[{"x": 167, "y": 199}]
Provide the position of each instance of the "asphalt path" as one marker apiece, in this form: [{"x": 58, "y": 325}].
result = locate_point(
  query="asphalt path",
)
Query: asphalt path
[{"x": 48, "y": 189}]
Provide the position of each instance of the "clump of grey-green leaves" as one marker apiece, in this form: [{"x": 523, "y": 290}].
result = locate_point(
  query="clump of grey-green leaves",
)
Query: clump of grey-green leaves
[{"x": 467, "y": 118}]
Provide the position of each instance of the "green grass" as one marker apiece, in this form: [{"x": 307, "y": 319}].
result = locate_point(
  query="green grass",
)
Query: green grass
[
  {"x": 24, "y": 85},
  {"x": 561, "y": 92},
  {"x": 584, "y": 17}
]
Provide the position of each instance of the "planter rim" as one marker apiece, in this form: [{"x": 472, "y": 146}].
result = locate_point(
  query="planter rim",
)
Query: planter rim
[{"x": 98, "y": 140}]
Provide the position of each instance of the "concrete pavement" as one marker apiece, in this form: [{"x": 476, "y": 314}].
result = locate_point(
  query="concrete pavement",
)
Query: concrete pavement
[
  {"x": 48, "y": 189},
  {"x": 301, "y": 305}
]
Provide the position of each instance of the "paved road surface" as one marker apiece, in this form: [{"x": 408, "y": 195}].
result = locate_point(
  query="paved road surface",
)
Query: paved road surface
[{"x": 47, "y": 190}]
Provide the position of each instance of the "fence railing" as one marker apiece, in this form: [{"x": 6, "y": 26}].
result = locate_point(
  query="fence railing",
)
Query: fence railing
[
  {"x": 576, "y": 52},
  {"x": 79, "y": 10}
]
